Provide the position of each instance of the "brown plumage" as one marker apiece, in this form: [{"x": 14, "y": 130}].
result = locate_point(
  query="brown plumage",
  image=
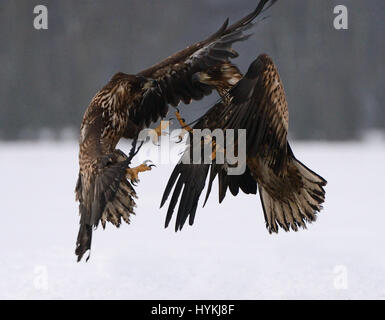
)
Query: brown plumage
[
  {"x": 291, "y": 194},
  {"x": 129, "y": 103}
]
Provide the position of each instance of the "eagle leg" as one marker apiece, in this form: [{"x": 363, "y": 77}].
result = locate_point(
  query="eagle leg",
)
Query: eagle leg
[
  {"x": 159, "y": 131},
  {"x": 132, "y": 173},
  {"x": 185, "y": 127},
  {"x": 217, "y": 148}
]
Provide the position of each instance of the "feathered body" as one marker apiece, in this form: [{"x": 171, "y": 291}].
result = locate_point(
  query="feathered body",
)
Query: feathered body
[
  {"x": 291, "y": 194},
  {"x": 129, "y": 103},
  {"x": 103, "y": 191}
]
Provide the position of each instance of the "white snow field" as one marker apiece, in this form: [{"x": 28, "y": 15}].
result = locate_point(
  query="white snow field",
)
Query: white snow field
[{"x": 227, "y": 254}]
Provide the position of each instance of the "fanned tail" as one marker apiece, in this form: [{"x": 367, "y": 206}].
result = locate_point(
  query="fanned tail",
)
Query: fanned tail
[{"x": 299, "y": 204}]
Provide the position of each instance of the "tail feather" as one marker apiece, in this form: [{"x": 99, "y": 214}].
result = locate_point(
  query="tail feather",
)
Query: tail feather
[
  {"x": 297, "y": 206},
  {"x": 83, "y": 242},
  {"x": 110, "y": 197}
]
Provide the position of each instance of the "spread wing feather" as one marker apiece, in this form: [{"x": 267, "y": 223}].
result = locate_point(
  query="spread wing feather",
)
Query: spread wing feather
[
  {"x": 219, "y": 40},
  {"x": 258, "y": 104},
  {"x": 173, "y": 76},
  {"x": 190, "y": 179}
]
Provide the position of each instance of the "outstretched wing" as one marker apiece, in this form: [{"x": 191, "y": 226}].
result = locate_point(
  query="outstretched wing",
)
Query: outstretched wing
[
  {"x": 256, "y": 103},
  {"x": 174, "y": 75},
  {"x": 190, "y": 179}
]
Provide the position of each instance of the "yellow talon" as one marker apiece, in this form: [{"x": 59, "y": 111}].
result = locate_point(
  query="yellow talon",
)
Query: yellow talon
[
  {"x": 185, "y": 127},
  {"x": 182, "y": 122},
  {"x": 132, "y": 173},
  {"x": 207, "y": 139}
]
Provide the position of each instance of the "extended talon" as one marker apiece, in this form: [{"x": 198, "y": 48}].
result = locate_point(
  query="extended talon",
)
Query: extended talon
[
  {"x": 185, "y": 127},
  {"x": 182, "y": 121},
  {"x": 146, "y": 164},
  {"x": 132, "y": 173},
  {"x": 180, "y": 137}
]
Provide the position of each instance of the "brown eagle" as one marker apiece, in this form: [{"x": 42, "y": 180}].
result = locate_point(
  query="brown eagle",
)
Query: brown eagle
[
  {"x": 127, "y": 104},
  {"x": 291, "y": 194}
]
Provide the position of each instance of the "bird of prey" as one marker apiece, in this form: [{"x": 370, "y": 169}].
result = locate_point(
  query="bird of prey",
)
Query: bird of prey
[
  {"x": 127, "y": 104},
  {"x": 291, "y": 194}
]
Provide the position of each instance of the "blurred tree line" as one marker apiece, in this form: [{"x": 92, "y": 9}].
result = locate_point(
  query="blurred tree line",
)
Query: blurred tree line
[{"x": 334, "y": 79}]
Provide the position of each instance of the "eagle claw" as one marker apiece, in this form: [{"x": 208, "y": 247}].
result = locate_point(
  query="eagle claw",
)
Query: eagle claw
[
  {"x": 132, "y": 173},
  {"x": 148, "y": 162}
]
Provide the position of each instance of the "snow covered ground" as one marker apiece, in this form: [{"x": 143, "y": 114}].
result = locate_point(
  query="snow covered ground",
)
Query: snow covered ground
[{"x": 227, "y": 254}]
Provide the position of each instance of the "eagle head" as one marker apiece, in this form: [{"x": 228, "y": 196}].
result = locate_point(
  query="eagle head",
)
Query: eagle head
[{"x": 132, "y": 87}]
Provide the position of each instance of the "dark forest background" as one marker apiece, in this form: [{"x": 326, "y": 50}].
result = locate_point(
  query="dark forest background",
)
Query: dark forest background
[{"x": 334, "y": 79}]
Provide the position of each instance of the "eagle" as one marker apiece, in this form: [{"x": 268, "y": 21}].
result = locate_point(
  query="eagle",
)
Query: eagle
[
  {"x": 291, "y": 194},
  {"x": 130, "y": 102}
]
